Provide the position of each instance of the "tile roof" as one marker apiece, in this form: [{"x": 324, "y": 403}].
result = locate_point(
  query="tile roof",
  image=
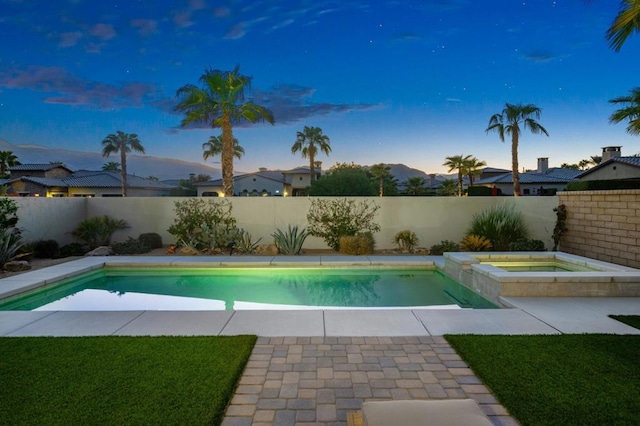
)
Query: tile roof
[
  {"x": 552, "y": 175},
  {"x": 94, "y": 179},
  {"x": 36, "y": 167},
  {"x": 275, "y": 175},
  {"x": 631, "y": 161}
]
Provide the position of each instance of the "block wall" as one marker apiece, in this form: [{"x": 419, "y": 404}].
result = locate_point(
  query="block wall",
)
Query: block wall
[{"x": 603, "y": 225}]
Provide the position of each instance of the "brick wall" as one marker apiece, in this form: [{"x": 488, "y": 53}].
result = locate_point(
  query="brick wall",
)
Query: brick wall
[{"x": 603, "y": 225}]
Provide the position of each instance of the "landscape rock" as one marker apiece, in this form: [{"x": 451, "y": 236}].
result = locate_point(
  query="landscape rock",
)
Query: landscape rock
[
  {"x": 17, "y": 266},
  {"x": 100, "y": 251},
  {"x": 267, "y": 249}
]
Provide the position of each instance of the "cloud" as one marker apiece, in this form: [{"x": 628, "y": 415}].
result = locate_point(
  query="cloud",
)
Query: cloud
[
  {"x": 69, "y": 39},
  {"x": 539, "y": 56},
  {"x": 237, "y": 31},
  {"x": 71, "y": 90},
  {"x": 103, "y": 31},
  {"x": 288, "y": 103},
  {"x": 145, "y": 27}
]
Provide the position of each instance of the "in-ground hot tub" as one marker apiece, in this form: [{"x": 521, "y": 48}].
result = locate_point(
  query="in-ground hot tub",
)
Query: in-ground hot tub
[{"x": 540, "y": 274}]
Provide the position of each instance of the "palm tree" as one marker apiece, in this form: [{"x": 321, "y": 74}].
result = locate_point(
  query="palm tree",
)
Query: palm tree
[
  {"x": 457, "y": 162},
  {"x": 626, "y": 22},
  {"x": 380, "y": 173},
  {"x": 630, "y": 111},
  {"x": 595, "y": 160},
  {"x": 308, "y": 142},
  {"x": 220, "y": 103},
  {"x": 111, "y": 166},
  {"x": 7, "y": 159},
  {"x": 472, "y": 168},
  {"x": 508, "y": 122},
  {"x": 213, "y": 148},
  {"x": 123, "y": 143},
  {"x": 415, "y": 185},
  {"x": 447, "y": 187}
]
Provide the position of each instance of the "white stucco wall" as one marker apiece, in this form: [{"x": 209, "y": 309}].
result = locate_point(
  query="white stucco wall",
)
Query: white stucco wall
[{"x": 433, "y": 219}]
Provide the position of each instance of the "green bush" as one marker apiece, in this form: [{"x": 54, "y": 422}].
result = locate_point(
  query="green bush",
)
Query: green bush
[
  {"x": 8, "y": 213},
  {"x": 290, "y": 241},
  {"x": 131, "y": 246},
  {"x": 151, "y": 240},
  {"x": 73, "y": 249},
  {"x": 527, "y": 245},
  {"x": 45, "y": 249},
  {"x": 500, "y": 224},
  {"x": 444, "y": 246},
  {"x": 481, "y": 191},
  {"x": 357, "y": 244},
  {"x": 97, "y": 231},
  {"x": 603, "y": 185},
  {"x": 204, "y": 225},
  {"x": 332, "y": 219}
]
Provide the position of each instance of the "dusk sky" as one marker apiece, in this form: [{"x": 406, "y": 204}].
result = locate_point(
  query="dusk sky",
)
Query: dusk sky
[{"x": 388, "y": 81}]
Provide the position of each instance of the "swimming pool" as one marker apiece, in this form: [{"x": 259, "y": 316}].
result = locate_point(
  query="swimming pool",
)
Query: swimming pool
[{"x": 175, "y": 288}]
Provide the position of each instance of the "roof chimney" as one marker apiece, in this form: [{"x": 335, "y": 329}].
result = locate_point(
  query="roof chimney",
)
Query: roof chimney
[
  {"x": 262, "y": 169},
  {"x": 543, "y": 164},
  {"x": 317, "y": 164},
  {"x": 609, "y": 152}
]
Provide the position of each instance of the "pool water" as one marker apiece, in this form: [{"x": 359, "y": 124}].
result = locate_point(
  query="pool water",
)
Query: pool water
[{"x": 122, "y": 289}]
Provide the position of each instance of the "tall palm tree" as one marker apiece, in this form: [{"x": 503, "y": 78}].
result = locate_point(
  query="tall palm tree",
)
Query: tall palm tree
[
  {"x": 509, "y": 122},
  {"x": 123, "y": 143},
  {"x": 594, "y": 160},
  {"x": 415, "y": 185},
  {"x": 220, "y": 103},
  {"x": 447, "y": 187},
  {"x": 380, "y": 173},
  {"x": 7, "y": 159},
  {"x": 626, "y": 22},
  {"x": 111, "y": 166},
  {"x": 630, "y": 111},
  {"x": 457, "y": 162},
  {"x": 472, "y": 167},
  {"x": 308, "y": 142},
  {"x": 213, "y": 148}
]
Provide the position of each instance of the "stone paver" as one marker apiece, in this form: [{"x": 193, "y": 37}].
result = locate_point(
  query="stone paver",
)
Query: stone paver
[{"x": 318, "y": 380}]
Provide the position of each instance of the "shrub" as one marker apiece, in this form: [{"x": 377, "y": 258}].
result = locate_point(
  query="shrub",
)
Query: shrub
[
  {"x": 8, "y": 214},
  {"x": 443, "y": 247},
  {"x": 475, "y": 243},
  {"x": 332, "y": 219},
  {"x": 357, "y": 244},
  {"x": 97, "y": 231},
  {"x": 245, "y": 244},
  {"x": 527, "y": 245},
  {"x": 9, "y": 245},
  {"x": 291, "y": 241},
  {"x": 500, "y": 224},
  {"x": 73, "y": 249},
  {"x": 151, "y": 240},
  {"x": 45, "y": 249},
  {"x": 131, "y": 246},
  {"x": 204, "y": 225},
  {"x": 406, "y": 241}
]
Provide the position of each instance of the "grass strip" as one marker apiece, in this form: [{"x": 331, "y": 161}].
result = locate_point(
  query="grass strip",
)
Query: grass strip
[
  {"x": 119, "y": 380},
  {"x": 632, "y": 320},
  {"x": 559, "y": 379}
]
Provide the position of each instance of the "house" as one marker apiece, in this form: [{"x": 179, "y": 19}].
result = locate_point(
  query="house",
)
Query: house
[
  {"x": 613, "y": 166},
  {"x": 544, "y": 180},
  {"x": 263, "y": 183},
  {"x": 57, "y": 180}
]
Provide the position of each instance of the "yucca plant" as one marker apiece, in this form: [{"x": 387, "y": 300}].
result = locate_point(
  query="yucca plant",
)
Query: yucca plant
[
  {"x": 406, "y": 241},
  {"x": 97, "y": 231},
  {"x": 245, "y": 244},
  {"x": 291, "y": 241},
  {"x": 500, "y": 224},
  {"x": 9, "y": 245},
  {"x": 475, "y": 243}
]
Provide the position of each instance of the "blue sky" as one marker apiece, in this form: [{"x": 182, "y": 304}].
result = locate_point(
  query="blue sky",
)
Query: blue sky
[{"x": 388, "y": 81}]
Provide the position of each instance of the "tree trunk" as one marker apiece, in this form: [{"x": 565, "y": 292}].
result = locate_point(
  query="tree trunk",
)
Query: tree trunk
[
  {"x": 514, "y": 163},
  {"x": 123, "y": 160},
  {"x": 312, "y": 167},
  {"x": 227, "y": 156}
]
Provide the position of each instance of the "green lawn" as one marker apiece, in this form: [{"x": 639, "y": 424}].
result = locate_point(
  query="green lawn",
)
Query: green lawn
[
  {"x": 632, "y": 320},
  {"x": 559, "y": 379},
  {"x": 119, "y": 380}
]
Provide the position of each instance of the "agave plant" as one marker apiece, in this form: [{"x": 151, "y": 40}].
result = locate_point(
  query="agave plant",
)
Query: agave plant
[
  {"x": 290, "y": 242},
  {"x": 475, "y": 243},
  {"x": 9, "y": 245},
  {"x": 244, "y": 243}
]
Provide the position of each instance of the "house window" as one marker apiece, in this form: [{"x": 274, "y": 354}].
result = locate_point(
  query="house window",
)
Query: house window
[
  {"x": 210, "y": 194},
  {"x": 84, "y": 195},
  {"x": 526, "y": 192},
  {"x": 300, "y": 177}
]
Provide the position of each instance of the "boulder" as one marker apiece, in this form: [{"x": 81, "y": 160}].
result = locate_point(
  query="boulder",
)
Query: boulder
[
  {"x": 17, "y": 266},
  {"x": 267, "y": 250},
  {"x": 100, "y": 251}
]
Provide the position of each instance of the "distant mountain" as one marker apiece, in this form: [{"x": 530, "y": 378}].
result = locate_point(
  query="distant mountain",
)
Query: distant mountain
[
  {"x": 403, "y": 173},
  {"x": 144, "y": 166}
]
